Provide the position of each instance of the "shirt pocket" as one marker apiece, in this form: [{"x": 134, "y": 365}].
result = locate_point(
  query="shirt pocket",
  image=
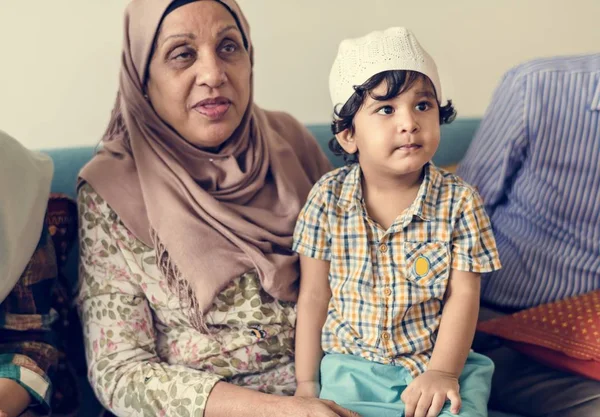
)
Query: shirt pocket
[{"x": 427, "y": 266}]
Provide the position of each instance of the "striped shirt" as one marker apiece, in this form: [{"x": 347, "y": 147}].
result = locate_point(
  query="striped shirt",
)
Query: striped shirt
[
  {"x": 536, "y": 162},
  {"x": 388, "y": 286}
]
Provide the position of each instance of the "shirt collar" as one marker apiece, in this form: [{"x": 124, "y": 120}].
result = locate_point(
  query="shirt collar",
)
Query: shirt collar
[
  {"x": 423, "y": 206},
  {"x": 351, "y": 193},
  {"x": 595, "y": 105}
]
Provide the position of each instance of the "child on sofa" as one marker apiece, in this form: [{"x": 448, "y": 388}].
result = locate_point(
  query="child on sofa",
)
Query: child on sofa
[{"x": 388, "y": 243}]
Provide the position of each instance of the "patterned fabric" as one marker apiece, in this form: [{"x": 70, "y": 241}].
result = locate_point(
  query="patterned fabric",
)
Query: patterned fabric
[
  {"x": 388, "y": 286},
  {"x": 61, "y": 218},
  {"x": 28, "y": 352},
  {"x": 144, "y": 357},
  {"x": 35, "y": 320},
  {"x": 568, "y": 327},
  {"x": 536, "y": 163}
]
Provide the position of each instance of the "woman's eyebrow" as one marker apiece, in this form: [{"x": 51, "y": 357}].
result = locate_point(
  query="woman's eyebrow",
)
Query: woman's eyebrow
[{"x": 179, "y": 35}]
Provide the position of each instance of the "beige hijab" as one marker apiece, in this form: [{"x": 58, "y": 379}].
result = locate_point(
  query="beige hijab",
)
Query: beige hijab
[
  {"x": 25, "y": 178},
  {"x": 210, "y": 216}
]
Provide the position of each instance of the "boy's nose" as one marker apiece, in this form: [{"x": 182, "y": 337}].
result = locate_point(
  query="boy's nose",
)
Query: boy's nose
[{"x": 407, "y": 123}]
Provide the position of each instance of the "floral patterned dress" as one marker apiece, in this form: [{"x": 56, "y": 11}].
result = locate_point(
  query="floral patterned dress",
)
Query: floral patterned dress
[{"x": 144, "y": 357}]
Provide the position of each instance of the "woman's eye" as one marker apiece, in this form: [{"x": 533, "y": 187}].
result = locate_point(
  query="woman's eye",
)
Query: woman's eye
[
  {"x": 385, "y": 110},
  {"x": 181, "y": 55},
  {"x": 229, "y": 47}
]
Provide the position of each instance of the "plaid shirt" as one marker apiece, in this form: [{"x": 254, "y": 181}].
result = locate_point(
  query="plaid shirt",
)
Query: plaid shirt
[{"x": 388, "y": 286}]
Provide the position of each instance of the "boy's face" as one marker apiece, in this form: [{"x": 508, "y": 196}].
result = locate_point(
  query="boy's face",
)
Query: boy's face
[{"x": 395, "y": 137}]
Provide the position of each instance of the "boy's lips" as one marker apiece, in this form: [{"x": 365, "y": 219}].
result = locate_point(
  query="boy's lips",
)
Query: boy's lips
[{"x": 409, "y": 147}]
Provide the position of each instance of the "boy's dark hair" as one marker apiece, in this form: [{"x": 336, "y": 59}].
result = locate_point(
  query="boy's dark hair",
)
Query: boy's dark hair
[{"x": 397, "y": 82}]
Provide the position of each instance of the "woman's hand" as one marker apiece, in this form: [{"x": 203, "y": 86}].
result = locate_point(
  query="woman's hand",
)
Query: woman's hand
[
  {"x": 227, "y": 400},
  {"x": 426, "y": 394},
  {"x": 309, "y": 389},
  {"x": 311, "y": 407}
]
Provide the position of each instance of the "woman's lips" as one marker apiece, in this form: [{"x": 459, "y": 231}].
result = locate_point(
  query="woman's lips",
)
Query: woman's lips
[{"x": 214, "y": 108}]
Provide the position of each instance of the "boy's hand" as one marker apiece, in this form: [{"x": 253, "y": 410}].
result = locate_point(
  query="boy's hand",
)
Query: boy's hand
[
  {"x": 308, "y": 389},
  {"x": 425, "y": 395}
]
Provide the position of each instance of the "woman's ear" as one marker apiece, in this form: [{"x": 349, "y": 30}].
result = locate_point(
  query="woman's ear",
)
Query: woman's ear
[{"x": 346, "y": 141}]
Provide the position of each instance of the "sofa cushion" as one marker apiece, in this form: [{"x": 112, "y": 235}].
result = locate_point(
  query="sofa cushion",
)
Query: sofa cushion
[{"x": 563, "y": 334}]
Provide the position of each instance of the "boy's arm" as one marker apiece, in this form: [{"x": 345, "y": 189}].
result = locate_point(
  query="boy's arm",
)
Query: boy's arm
[
  {"x": 457, "y": 327},
  {"x": 313, "y": 302},
  {"x": 427, "y": 393}
]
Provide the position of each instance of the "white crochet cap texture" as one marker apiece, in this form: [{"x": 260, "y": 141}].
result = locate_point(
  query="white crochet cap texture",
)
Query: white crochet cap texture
[{"x": 359, "y": 59}]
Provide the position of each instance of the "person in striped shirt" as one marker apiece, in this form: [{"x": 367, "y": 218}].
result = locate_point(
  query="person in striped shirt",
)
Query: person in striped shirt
[
  {"x": 387, "y": 243},
  {"x": 536, "y": 162}
]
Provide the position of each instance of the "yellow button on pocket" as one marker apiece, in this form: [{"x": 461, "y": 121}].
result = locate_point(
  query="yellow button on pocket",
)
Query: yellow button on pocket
[
  {"x": 385, "y": 335},
  {"x": 422, "y": 266}
]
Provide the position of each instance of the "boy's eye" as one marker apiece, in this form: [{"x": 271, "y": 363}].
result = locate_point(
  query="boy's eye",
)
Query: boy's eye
[
  {"x": 423, "y": 106},
  {"x": 386, "y": 110}
]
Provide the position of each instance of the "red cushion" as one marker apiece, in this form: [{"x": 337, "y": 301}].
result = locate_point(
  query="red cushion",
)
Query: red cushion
[
  {"x": 558, "y": 360},
  {"x": 564, "y": 334}
]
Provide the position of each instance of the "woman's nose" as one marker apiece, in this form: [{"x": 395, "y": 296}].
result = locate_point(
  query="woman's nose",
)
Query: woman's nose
[{"x": 210, "y": 71}]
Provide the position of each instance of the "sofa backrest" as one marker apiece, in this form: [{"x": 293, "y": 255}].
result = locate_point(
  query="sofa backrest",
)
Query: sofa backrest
[{"x": 456, "y": 138}]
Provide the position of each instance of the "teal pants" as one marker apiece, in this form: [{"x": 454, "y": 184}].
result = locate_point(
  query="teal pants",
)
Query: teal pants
[{"x": 373, "y": 389}]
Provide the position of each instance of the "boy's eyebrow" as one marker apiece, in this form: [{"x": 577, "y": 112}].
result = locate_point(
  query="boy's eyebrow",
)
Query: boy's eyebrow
[
  {"x": 374, "y": 102},
  {"x": 425, "y": 93},
  {"x": 420, "y": 93}
]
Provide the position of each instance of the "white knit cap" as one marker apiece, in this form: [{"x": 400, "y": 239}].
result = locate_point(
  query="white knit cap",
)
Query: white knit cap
[{"x": 393, "y": 49}]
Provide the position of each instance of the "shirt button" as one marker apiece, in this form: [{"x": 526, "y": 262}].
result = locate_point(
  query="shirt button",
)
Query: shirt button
[
  {"x": 385, "y": 335},
  {"x": 383, "y": 248},
  {"x": 387, "y": 291}
]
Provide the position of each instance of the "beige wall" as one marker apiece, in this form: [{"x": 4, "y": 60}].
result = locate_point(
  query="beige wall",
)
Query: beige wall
[{"x": 59, "y": 59}]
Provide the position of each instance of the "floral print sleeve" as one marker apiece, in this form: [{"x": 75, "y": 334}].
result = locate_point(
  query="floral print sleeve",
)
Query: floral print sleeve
[{"x": 125, "y": 368}]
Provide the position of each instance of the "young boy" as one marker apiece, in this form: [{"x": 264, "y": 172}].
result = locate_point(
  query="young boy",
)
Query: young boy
[{"x": 391, "y": 247}]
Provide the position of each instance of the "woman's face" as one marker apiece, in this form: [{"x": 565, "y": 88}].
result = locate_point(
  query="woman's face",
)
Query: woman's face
[{"x": 199, "y": 74}]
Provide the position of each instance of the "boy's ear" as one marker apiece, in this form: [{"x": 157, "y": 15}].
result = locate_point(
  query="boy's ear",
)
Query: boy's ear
[{"x": 346, "y": 141}]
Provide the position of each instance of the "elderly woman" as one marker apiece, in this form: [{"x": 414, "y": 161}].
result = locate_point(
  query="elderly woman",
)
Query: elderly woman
[{"x": 187, "y": 214}]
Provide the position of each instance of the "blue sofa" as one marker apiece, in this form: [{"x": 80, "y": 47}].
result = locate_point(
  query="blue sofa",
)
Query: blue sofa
[{"x": 68, "y": 161}]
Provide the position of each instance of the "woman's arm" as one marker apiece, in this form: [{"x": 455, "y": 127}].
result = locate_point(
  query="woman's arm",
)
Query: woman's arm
[
  {"x": 313, "y": 301},
  {"x": 124, "y": 369}
]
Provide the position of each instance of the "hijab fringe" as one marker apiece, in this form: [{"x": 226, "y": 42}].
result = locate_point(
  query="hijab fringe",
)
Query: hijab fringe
[{"x": 178, "y": 285}]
